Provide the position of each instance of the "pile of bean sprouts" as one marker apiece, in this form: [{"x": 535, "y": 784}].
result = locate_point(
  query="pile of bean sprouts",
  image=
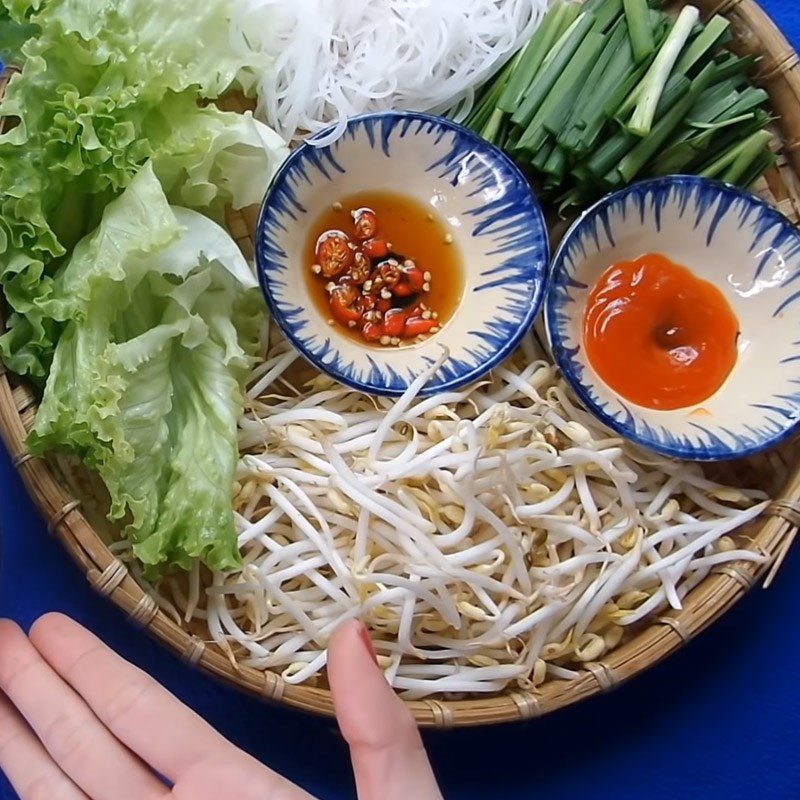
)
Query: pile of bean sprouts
[
  {"x": 492, "y": 536},
  {"x": 332, "y": 60}
]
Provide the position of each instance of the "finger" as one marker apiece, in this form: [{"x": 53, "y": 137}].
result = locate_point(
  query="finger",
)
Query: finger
[
  {"x": 171, "y": 738},
  {"x": 388, "y": 756},
  {"x": 26, "y": 763},
  {"x": 138, "y": 711},
  {"x": 76, "y": 740}
]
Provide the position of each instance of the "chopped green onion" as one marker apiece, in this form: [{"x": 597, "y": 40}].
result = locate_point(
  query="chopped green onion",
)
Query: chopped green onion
[
  {"x": 607, "y": 13},
  {"x": 713, "y": 34},
  {"x": 636, "y": 160},
  {"x": 621, "y": 143},
  {"x": 573, "y": 14},
  {"x": 642, "y": 42},
  {"x": 569, "y": 136},
  {"x": 732, "y": 158},
  {"x": 549, "y": 74},
  {"x": 555, "y": 108},
  {"x": 533, "y": 55},
  {"x": 542, "y": 155},
  {"x": 683, "y": 105},
  {"x": 730, "y": 65},
  {"x": 761, "y": 164},
  {"x": 557, "y": 163},
  {"x": 658, "y": 74}
]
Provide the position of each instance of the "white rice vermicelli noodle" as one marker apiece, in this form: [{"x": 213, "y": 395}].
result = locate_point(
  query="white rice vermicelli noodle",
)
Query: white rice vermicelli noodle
[
  {"x": 488, "y": 536},
  {"x": 333, "y": 60}
]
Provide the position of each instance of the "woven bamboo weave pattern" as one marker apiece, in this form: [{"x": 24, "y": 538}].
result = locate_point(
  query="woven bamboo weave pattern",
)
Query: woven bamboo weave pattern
[{"x": 62, "y": 500}]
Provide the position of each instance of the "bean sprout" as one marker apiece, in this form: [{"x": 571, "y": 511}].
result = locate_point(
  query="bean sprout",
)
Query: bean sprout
[{"x": 493, "y": 537}]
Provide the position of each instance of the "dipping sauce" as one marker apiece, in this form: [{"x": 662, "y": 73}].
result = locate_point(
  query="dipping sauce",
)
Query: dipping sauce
[
  {"x": 658, "y": 335},
  {"x": 384, "y": 269}
]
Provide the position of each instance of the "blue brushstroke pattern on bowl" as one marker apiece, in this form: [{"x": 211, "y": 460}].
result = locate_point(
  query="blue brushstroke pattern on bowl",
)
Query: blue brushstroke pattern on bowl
[
  {"x": 727, "y": 236},
  {"x": 473, "y": 187}
]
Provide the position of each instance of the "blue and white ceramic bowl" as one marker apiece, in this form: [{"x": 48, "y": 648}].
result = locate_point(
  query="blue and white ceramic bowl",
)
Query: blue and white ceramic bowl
[
  {"x": 728, "y": 237},
  {"x": 473, "y": 187}
]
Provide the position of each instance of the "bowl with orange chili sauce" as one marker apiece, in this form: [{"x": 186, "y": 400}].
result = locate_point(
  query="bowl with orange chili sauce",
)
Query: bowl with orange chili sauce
[
  {"x": 673, "y": 310},
  {"x": 407, "y": 238}
]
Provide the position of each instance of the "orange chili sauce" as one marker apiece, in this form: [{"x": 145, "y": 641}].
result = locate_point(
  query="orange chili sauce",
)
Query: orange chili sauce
[
  {"x": 414, "y": 231},
  {"x": 658, "y": 335}
]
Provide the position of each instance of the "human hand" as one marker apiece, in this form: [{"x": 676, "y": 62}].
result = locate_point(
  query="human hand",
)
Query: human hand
[{"x": 77, "y": 722}]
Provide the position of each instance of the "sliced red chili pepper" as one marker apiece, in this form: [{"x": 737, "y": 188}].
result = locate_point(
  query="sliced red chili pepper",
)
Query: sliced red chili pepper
[
  {"x": 402, "y": 289},
  {"x": 394, "y": 322},
  {"x": 415, "y": 278},
  {"x": 366, "y": 302},
  {"x": 372, "y": 331},
  {"x": 376, "y": 248},
  {"x": 366, "y": 222},
  {"x": 334, "y": 254},
  {"x": 344, "y": 306},
  {"x": 385, "y": 276},
  {"x": 416, "y": 326},
  {"x": 361, "y": 268}
]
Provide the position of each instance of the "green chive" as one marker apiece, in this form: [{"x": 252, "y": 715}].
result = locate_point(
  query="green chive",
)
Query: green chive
[
  {"x": 533, "y": 55},
  {"x": 659, "y": 72},
  {"x": 550, "y": 73},
  {"x": 635, "y": 161},
  {"x": 713, "y": 34},
  {"x": 638, "y": 16},
  {"x": 727, "y": 160}
]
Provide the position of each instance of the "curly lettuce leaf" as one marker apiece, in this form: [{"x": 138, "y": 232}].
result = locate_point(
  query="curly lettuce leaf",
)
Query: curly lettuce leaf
[
  {"x": 13, "y": 34},
  {"x": 104, "y": 88},
  {"x": 162, "y": 316}
]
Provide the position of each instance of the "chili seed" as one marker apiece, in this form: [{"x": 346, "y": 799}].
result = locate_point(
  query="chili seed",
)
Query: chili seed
[
  {"x": 426, "y": 277},
  {"x": 386, "y": 294},
  {"x": 426, "y": 287},
  {"x": 337, "y": 206},
  {"x": 351, "y": 323},
  {"x": 426, "y": 314},
  {"x": 448, "y": 239},
  {"x": 385, "y": 340},
  {"x": 316, "y": 269}
]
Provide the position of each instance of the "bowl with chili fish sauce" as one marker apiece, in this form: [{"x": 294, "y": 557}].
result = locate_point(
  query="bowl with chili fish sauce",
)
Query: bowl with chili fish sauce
[
  {"x": 672, "y": 309},
  {"x": 407, "y": 238}
]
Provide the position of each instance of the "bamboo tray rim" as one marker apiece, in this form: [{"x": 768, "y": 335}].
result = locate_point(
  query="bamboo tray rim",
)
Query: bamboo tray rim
[{"x": 779, "y": 74}]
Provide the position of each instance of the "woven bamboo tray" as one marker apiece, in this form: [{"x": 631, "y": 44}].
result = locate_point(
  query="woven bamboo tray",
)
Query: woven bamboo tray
[{"x": 57, "y": 493}]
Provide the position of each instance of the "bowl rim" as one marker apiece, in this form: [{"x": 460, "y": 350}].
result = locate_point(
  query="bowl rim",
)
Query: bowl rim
[
  {"x": 565, "y": 361},
  {"x": 537, "y": 217}
]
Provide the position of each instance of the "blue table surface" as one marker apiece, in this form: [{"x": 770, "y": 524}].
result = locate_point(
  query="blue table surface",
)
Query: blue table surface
[{"x": 720, "y": 718}]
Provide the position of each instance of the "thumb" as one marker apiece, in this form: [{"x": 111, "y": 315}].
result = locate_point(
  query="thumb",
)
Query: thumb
[{"x": 389, "y": 759}]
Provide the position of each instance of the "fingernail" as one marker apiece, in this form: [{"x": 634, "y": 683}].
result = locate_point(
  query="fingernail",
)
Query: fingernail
[{"x": 363, "y": 634}]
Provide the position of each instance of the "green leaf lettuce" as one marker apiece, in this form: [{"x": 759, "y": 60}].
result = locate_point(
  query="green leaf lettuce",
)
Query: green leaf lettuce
[
  {"x": 105, "y": 87},
  {"x": 161, "y": 317}
]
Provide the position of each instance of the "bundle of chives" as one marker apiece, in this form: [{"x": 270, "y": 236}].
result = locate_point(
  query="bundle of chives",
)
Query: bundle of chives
[{"x": 609, "y": 91}]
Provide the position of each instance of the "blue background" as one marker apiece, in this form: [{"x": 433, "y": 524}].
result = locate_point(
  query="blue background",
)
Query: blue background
[{"x": 721, "y": 718}]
